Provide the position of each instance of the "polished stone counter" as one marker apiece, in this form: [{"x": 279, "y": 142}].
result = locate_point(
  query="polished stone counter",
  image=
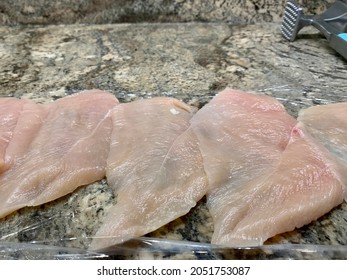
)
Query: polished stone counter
[
  {"x": 189, "y": 61},
  {"x": 135, "y": 11}
]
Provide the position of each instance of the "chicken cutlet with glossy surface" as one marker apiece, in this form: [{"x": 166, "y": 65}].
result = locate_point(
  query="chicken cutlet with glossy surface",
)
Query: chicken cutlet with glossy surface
[
  {"x": 328, "y": 125},
  {"x": 305, "y": 184},
  {"x": 10, "y": 111},
  {"x": 154, "y": 166},
  {"x": 266, "y": 177},
  {"x": 56, "y": 148}
]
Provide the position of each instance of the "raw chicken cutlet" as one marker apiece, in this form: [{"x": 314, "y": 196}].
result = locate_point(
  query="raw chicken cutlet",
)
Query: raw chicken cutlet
[
  {"x": 266, "y": 175},
  {"x": 328, "y": 125},
  {"x": 154, "y": 166},
  {"x": 10, "y": 109},
  {"x": 262, "y": 171},
  {"x": 56, "y": 148},
  {"x": 306, "y": 184}
]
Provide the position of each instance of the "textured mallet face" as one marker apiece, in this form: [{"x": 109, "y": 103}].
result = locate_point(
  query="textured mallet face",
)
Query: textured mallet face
[{"x": 291, "y": 20}]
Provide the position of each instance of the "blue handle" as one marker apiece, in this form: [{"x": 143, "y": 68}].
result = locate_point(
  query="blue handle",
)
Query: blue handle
[
  {"x": 339, "y": 43},
  {"x": 343, "y": 36}
]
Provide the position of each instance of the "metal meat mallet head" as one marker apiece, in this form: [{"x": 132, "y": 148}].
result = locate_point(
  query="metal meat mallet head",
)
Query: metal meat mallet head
[{"x": 332, "y": 24}]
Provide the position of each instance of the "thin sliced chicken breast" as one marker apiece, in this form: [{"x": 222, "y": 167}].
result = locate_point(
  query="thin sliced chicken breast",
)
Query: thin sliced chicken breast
[
  {"x": 328, "y": 125},
  {"x": 305, "y": 184},
  {"x": 240, "y": 136},
  {"x": 154, "y": 166},
  {"x": 10, "y": 110},
  {"x": 266, "y": 175},
  {"x": 56, "y": 148}
]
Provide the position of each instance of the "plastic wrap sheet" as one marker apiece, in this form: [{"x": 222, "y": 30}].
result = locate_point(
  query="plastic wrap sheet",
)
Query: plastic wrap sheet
[
  {"x": 51, "y": 247},
  {"x": 49, "y": 231},
  {"x": 37, "y": 233},
  {"x": 154, "y": 248}
]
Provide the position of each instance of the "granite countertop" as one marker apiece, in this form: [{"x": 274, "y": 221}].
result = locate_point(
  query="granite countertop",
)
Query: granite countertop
[
  {"x": 189, "y": 61},
  {"x": 135, "y": 11}
]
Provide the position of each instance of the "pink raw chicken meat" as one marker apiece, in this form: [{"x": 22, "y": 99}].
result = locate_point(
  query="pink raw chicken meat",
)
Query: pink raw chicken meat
[
  {"x": 267, "y": 176},
  {"x": 154, "y": 166},
  {"x": 328, "y": 125},
  {"x": 240, "y": 136},
  {"x": 55, "y": 148},
  {"x": 10, "y": 109},
  {"x": 306, "y": 184}
]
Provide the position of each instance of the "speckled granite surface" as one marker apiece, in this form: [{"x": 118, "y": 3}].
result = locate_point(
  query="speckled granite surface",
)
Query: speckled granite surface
[
  {"x": 120, "y": 11},
  {"x": 190, "y": 61}
]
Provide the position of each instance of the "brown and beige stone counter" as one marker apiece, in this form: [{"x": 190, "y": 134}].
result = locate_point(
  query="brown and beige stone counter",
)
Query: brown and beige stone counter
[
  {"x": 135, "y": 11},
  {"x": 189, "y": 61}
]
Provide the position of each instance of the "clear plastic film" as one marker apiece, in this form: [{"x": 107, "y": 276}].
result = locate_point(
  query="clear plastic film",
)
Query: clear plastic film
[
  {"x": 34, "y": 251},
  {"x": 144, "y": 248},
  {"x": 155, "y": 248},
  {"x": 42, "y": 239},
  {"x": 38, "y": 241},
  {"x": 63, "y": 229}
]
